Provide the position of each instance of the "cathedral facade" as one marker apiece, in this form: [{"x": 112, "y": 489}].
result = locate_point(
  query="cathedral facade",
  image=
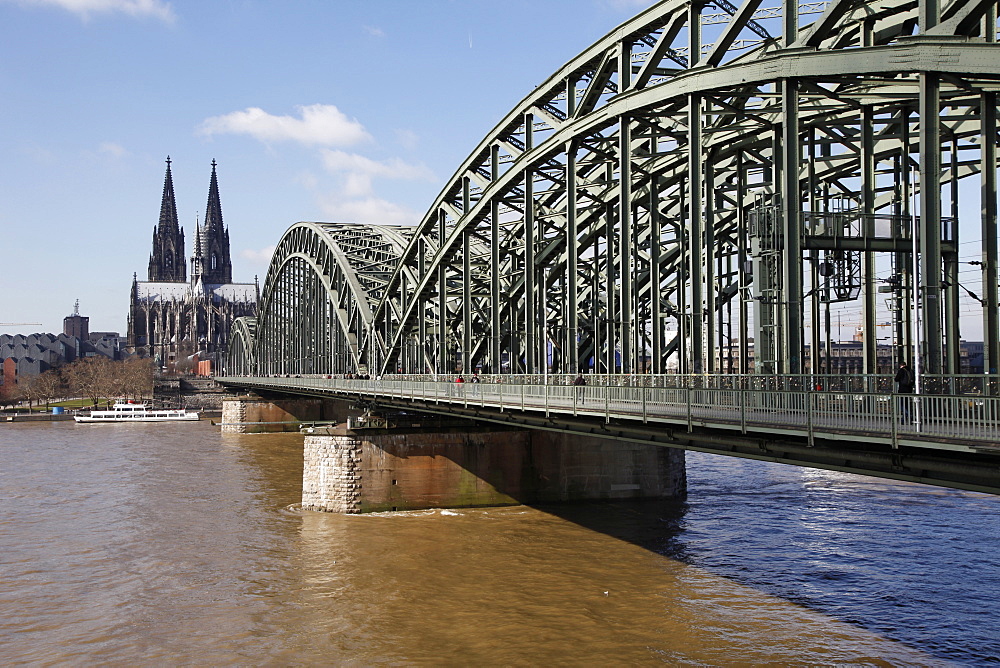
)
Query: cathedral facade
[{"x": 177, "y": 319}]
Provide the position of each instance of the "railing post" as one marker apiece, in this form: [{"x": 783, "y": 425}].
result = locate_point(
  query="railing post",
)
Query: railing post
[
  {"x": 545, "y": 397},
  {"x": 690, "y": 425},
  {"x": 809, "y": 416},
  {"x": 892, "y": 417},
  {"x": 743, "y": 410},
  {"x": 607, "y": 403},
  {"x": 643, "y": 390}
]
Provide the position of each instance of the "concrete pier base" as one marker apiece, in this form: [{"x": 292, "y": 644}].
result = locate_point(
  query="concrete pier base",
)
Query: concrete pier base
[
  {"x": 358, "y": 472},
  {"x": 256, "y": 415}
]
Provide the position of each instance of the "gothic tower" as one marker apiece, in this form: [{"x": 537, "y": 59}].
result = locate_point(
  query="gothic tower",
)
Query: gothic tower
[
  {"x": 188, "y": 319},
  {"x": 167, "y": 262},
  {"x": 211, "y": 255}
]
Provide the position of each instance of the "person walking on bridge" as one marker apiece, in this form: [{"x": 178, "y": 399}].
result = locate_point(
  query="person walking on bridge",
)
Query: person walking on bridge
[
  {"x": 578, "y": 383},
  {"x": 905, "y": 384}
]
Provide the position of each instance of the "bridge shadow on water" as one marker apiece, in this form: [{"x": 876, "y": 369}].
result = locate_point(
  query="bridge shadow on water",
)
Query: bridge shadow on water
[
  {"x": 656, "y": 525},
  {"x": 912, "y": 563}
]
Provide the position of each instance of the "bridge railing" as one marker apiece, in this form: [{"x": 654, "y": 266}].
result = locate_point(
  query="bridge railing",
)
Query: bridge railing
[
  {"x": 961, "y": 384},
  {"x": 890, "y": 418}
]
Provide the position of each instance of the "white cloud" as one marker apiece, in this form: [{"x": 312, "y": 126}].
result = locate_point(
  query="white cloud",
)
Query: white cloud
[
  {"x": 258, "y": 257},
  {"x": 374, "y": 31},
  {"x": 320, "y": 124},
  {"x": 353, "y": 198},
  {"x": 349, "y": 196},
  {"x": 339, "y": 161},
  {"x": 357, "y": 171},
  {"x": 370, "y": 210},
  {"x": 157, "y": 9},
  {"x": 112, "y": 149}
]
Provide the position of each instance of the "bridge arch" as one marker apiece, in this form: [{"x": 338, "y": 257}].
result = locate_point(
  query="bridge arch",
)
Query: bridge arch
[
  {"x": 240, "y": 354},
  {"x": 693, "y": 192},
  {"x": 678, "y": 190},
  {"x": 316, "y": 309}
]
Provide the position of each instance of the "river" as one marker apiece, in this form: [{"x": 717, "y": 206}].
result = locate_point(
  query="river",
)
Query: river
[{"x": 153, "y": 544}]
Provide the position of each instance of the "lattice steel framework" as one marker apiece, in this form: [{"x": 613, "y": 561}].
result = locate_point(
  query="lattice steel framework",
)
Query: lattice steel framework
[
  {"x": 704, "y": 174},
  {"x": 315, "y": 313},
  {"x": 240, "y": 355}
]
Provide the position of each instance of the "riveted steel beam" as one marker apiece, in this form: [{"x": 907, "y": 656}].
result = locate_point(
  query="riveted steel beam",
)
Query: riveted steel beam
[{"x": 613, "y": 220}]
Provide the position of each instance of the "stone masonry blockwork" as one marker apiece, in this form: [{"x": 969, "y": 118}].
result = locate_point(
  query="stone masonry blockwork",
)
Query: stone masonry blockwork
[
  {"x": 352, "y": 472},
  {"x": 331, "y": 477}
]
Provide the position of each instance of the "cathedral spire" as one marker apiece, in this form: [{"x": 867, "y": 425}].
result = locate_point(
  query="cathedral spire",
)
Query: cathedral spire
[
  {"x": 197, "y": 257},
  {"x": 168, "y": 205},
  {"x": 214, "y": 238},
  {"x": 167, "y": 262},
  {"x": 213, "y": 212}
]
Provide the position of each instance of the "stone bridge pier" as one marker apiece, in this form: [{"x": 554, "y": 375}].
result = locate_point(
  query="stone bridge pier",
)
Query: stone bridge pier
[
  {"x": 362, "y": 464},
  {"x": 371, "y": 470},
  {"x": 257, "y": 414}
]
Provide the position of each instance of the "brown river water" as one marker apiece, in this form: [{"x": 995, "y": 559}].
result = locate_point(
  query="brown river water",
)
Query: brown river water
[{"x": 153, "y": 544}]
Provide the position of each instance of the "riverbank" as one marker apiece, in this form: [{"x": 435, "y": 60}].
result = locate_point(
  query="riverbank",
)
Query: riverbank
[{"x": 36, "y": 417}]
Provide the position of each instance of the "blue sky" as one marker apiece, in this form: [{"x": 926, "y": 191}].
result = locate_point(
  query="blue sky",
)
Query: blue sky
[{"x": 330, "y": 110}]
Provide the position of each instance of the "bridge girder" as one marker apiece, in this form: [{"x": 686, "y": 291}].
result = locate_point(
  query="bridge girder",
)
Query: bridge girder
[
  {"x": 688, "y": 183},
  {"x": 316, "y": 309}
]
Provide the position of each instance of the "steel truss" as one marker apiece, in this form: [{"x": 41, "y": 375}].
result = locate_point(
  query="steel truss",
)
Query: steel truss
[
  {"x": 691, "y": 181},
  {"x": 316, "y": 310}
]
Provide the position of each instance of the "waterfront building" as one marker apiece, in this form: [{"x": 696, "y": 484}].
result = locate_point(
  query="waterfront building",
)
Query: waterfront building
[
  {"x": 174, "y": 318},
  {"x": 23, "y": 355}
]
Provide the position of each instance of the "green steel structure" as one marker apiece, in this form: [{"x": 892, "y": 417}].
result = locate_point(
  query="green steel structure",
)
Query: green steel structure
[
  {"x": 322, "y": 288},
  {"x": 704, "y": 176}
]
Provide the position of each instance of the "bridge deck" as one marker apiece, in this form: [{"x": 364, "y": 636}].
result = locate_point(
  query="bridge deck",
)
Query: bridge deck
[{"x": 964, "y": 423}]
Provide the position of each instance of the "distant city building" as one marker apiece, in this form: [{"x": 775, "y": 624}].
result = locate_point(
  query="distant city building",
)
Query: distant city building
[
  {"x": 172, "y": 318},
  {"x": 77, "y": 325},
  {"x": 23, "y": 355},
  {"x": 847, "y": 357},
  {"x": 973, "y": 357}
]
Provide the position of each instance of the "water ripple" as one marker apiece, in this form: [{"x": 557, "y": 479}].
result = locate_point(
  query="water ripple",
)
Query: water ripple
[{"x": 177, "y": 545}]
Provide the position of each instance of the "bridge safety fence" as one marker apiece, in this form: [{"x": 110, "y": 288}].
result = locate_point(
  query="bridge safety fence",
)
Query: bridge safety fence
[
  {"x": 969, "y": 418},
  {"x": 962, "y": 384}
]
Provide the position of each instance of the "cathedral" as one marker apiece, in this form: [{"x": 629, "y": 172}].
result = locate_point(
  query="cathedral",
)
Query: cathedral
[{"x": 179, "y": 320}]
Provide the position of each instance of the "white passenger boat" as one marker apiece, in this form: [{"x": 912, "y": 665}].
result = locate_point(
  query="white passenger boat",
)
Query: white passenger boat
[{"x": 126, "y": 412}]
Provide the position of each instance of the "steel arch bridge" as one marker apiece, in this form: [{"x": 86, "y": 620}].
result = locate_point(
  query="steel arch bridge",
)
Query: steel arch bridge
[{"x": 690, "y": 193}]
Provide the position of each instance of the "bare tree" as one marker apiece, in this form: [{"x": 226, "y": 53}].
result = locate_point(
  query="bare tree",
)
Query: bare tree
[
  {"x": 29, "y": 389},
  {"x": 99, "y": 377},
  {"x": 10, "y": 394},
  {"x": 116, "y": 380},
  {"x": 44, "y": 386},
  {"x": 138, "y": 372},
  {"x": 91, "y": 377}
]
